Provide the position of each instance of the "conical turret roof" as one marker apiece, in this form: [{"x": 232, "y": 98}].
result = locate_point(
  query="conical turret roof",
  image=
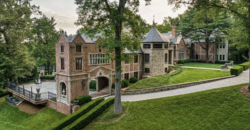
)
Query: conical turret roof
[{"x": 155, "y": 36}]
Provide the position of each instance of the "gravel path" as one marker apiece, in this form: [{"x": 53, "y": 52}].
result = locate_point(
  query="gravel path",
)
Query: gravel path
[{"x": 242, "y": 78}]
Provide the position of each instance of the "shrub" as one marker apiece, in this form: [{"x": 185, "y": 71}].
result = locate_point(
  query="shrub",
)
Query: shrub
[
  {"x": 125, "y": 83},
  {"x": 92, "y": 84},
  {"x": 195, "y": 60},
  {"x": 83, "y": 99},
  {"x": 184, "y": 61},
  {"x": 3, "y": 93},
  {"x": 245, "y": 65},
  {"x": 50, "y": 77},
  {"x": 236, "y": 70},
  {"x": 133, "y": 80},
  {"x": 122, "y": 85},
  {"x": 84, "y": 120},
  {"x": 71, "y": 118}
]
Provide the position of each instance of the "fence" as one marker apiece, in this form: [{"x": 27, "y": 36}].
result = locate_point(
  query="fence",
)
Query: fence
[{"x": 30, "y": 94}]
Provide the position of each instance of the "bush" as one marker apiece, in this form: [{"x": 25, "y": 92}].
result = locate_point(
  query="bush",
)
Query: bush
[
  {"x": 50, "y": 77},
  {"x": 113, "y": 85},
  {"x": 184, "y": 61},
  {"x": 84, "y": 120},
  {"x": 71, "y": 118},
  {"x": 236, "y": 70},
  {"x": 245, "y": 65},
  {"x": 133, "y": 80},
  {"x": 125, "y": 83},
  {"x": 3, "y": 93},
  {"x": 195, "y": 60},
  {"x": 83, "y": 99},
  {"x": 92, "y": 84}
]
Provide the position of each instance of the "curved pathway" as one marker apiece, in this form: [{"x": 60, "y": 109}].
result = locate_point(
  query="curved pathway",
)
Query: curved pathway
[{"x": 242, "y": 78}]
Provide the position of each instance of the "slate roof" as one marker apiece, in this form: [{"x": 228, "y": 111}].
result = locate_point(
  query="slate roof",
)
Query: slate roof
[
  {"x": 155, "y": 36},
  {"x": 85, "y": 38},
  {"x": 140, "y": 51}
]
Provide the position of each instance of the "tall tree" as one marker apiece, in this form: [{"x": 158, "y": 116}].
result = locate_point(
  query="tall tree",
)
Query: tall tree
[
  {"x": 15, "y": 22},
  {"x": 199, "y": 27},
  {"x": 45, "y": 36},
  {"x": 109, "y": 17}
]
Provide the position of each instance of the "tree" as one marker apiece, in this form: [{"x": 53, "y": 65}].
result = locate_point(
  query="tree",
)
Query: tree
[
  {"x": 15, "y": 22},
  {"x": 109, "y": 18},
  {"x": 172, "y": 21},
  {"x": 201, "y": 27},
  {"x": 45, "y": 36},
  {"x": 164, "y": 27}
]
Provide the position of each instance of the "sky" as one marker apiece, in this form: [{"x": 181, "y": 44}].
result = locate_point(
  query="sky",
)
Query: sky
[{"x": 64, "y": 12}]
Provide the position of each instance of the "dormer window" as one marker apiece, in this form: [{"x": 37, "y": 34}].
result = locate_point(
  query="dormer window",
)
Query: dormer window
[
  {"x": 78, "y": 48},
  {"x": 62, "y": 49}
]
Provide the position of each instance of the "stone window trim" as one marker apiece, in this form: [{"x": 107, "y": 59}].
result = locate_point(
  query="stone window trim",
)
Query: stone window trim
[
  {"x": 136, "y": 74},
  {"x": 62, "y": 52},
  {"x": 146, "y": 46},
  {"x": 166, "y": 58},
  {"x": 147, "y": 70},
  {"x": 60, "y": 58},
  {"x": 181, "y": 54},
  {"x": 93, "y": 59},
  {"x": 75, "y": 63},
  {"x": 80, "y": 47},
  {"x": 126, "y": 76},
  {"x": 147, "y": 61}
]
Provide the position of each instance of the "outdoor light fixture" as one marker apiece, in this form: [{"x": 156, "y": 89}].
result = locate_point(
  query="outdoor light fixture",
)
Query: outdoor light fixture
[{"x": 148, "y": 2}]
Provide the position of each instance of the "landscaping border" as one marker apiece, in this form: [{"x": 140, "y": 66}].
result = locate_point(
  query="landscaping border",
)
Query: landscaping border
[{"x": 167, "y": 87}]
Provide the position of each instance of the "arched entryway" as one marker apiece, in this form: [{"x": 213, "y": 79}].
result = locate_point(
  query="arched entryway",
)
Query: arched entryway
[
  {"x": 103, "y": 84},
  {"x": 63, "y": 92}
]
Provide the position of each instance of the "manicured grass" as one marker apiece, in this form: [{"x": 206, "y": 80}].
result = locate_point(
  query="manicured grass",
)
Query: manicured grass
[
  {"x": 205, "y": 65},
  {"x": 217, "y": 109},
  {"x": 11, "y": 118},
  {"x": 187, "y": 75},
  {"x": 191, "y": 75}
]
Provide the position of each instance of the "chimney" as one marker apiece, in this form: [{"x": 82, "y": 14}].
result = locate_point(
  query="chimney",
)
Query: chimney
[{"x": 174, "y": 28}]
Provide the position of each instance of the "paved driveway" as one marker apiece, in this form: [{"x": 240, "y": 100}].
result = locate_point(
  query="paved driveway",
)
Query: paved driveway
[{"x": 242, "y": 78}]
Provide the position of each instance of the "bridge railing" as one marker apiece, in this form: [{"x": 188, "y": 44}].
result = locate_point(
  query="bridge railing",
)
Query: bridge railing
[{"x": 30, "y": 94}]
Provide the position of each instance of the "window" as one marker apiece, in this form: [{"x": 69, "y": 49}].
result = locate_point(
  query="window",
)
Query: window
[
  {"x": 126, "y": 76},
  {"x": 222, "y": 57},
  {"x": 181, "y": 54},
  {"x": 147, "y": 46},
  {"x": 136, "y": 74},
  {"x": 97, "y": 59},
  {"x": 62, "y": 63},
  {"x": 166, "y": 70},
  {"x": 147, "y": 70},
  {"x": 100, "y": 49},
  {"x": 197, "y": 56},
  {"x": 157, "y": 46},
  {"x": 135, "y": 58},
  {"x": 166, "y": 57},
  {"x": 78, "y": 48},
  {"x": 165, "y": 45},
  {"x": 78, "y": 63},
  {"x": 62, "y": 49},
  {"x": 147, "y": 60}
]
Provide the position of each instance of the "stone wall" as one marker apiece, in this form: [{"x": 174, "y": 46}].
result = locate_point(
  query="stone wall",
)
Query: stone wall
[
  {"x": 63, "y": 108},
  {"x": 168, "y": 87},
  {"x": 52, "y": 104}
]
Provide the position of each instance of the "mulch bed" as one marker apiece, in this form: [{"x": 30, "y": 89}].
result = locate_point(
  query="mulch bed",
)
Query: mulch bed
[
  {"x": 30, "y": 108},
  {"x": 244, "y": 90}
]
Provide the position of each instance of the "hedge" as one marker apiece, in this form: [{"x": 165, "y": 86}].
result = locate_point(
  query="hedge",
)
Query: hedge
[
  {"x": 83, "y": 99},
  {"x": 92, "y": 84},
  {"x": 84, "y": 120},
  {"x": 236, "y": 70},
  {"x": 48, "y": 77},
  {"x": 3, "y": 93},
  {"x": 133, "y": 80},
  {"x": 71, "y": 118},
  {"x": 184, "y": 61},
  {"x": 245, "y": 65},
  {"x": 125, "y": 83}
]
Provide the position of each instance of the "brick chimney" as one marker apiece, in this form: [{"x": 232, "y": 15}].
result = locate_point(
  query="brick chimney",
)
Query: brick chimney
[{"x": 174, "y": 28}]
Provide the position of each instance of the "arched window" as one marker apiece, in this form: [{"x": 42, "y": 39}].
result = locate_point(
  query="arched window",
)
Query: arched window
[{"x": 63, "y": 90}]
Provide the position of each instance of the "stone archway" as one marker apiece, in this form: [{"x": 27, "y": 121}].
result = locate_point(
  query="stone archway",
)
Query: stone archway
[
  {"x": 63, "y": 92},
  {"x": 103, "y": 84}
]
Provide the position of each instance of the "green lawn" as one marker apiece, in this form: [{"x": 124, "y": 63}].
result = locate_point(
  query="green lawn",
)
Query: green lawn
[
  {"x": 205, "y": 65},
  {"x": 2, "y": 99},
  {"x": 187, "y": 75},
  {"x": 217, "y": 109},
  {"x": 11, "y": 118},
  {"x": 191, "y": 75}
]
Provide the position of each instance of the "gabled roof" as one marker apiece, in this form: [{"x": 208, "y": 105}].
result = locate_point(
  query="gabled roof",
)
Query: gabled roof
[
  {"x": 155, "y": 36},
  {"x": 85, "y": 38}
]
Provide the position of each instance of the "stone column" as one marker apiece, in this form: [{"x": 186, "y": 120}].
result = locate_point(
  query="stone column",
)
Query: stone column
[{"x": 172, "y": 57}]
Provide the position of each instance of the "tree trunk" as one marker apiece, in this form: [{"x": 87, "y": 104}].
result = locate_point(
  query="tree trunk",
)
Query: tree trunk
[
  {"x": 207, "y": 52},
  {"x": 48, "y": 67},
  {"x": 249, "y": 38}
]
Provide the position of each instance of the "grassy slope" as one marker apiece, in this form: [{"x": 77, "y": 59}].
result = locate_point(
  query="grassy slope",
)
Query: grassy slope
[
  {"x": 223, "y": 108},
  {"x": 191, "y": 75},
  {"x": 205, "y": 65},
  {"x": 2, "y": 99},
  {"x": 11, "y": 118},
  {"x": 187, "y": 75}
]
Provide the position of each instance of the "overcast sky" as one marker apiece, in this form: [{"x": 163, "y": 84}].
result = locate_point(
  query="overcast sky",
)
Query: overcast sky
[{"x": 64, "y": 12}]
